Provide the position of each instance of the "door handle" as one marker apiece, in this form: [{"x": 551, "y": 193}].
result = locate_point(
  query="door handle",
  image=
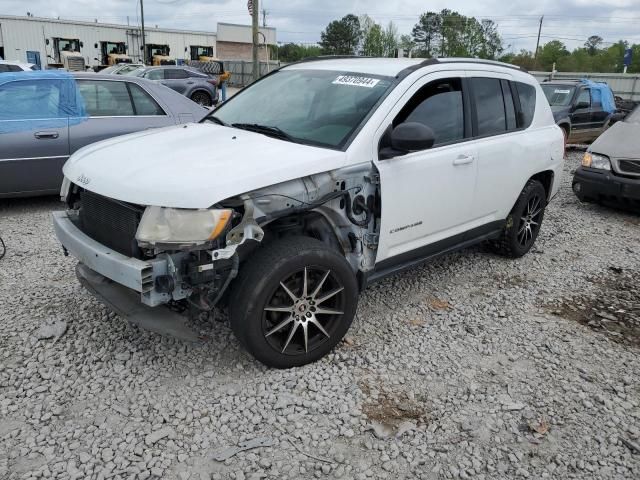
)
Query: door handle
[
  {"x": 46, "y": 134},
  {"x": 463, "y": 160}
]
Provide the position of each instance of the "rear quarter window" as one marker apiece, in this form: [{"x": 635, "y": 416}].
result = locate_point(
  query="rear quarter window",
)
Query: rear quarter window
[{"x": 527, "y": 97}]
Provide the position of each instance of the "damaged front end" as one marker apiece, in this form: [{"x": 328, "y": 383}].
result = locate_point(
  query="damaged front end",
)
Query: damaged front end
[{"x": 189, "y": 257}]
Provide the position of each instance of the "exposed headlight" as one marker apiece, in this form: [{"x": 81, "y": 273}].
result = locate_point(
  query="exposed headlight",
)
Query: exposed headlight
[
  {"x": 595, "y": 160},
  {"x": 180, "y": 226}
]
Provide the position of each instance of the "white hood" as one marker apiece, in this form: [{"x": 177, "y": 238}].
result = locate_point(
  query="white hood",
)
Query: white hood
[{"x": 192, "y": 166}]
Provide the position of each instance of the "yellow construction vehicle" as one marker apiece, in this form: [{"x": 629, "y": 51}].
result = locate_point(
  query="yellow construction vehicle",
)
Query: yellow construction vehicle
[{"x": 157, "y": 55}]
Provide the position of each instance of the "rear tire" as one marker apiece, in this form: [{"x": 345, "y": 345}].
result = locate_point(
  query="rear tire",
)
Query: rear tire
[
  {"x": 524, "y": 221},
  {"x": 293, "y": 301},
  {"x": 202, "y": 98}
]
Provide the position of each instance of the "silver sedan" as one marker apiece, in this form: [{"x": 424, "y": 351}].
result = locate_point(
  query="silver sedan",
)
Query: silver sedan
[{"x": 46, "y": 116}]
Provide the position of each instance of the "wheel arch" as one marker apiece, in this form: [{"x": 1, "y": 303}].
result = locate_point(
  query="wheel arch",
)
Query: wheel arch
[
  {"x": 546, "y": 178},
  {"x": 566, "y": 126},
  {"x": 200, "y": 90},
  {"x": 316, "y": 224}
]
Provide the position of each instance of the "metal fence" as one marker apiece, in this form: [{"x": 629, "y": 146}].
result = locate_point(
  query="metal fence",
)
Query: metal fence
[
  {"x": 624, "y": 85},
  {"x": 242, "y": 71}
]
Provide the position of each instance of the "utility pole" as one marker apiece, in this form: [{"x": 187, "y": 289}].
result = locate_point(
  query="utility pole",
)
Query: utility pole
[
  {"x": 264, "y": 17},
  {"x": 144, "y": 49},
  {"x": 255, "y": 14},
  {"x": 535, "y": 55}
]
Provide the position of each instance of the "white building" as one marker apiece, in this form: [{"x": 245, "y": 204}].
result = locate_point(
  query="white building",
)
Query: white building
[{"x": 33, "y": 39}]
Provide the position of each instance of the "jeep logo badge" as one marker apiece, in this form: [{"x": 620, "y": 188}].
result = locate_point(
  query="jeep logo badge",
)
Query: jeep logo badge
[{"x": 83, "y": 180}]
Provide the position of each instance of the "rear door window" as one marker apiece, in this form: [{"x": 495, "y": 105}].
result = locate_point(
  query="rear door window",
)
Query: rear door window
[
  {"x": 489, "y": 106},
  {"x": 105, "y": 98},
  {"x": 31, "y": 100},
  {"x": 174, "y": 74},
  {"x": 439, "y": 106}
]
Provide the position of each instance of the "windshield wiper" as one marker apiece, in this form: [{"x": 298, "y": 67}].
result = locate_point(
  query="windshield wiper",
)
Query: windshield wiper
[
  {"x": 215, "y": 119},
  {"x": 266, "y": 130}
]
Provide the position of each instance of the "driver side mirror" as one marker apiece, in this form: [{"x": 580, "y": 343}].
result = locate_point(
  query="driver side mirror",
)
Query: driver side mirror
[{"x": 406, "y": 138}]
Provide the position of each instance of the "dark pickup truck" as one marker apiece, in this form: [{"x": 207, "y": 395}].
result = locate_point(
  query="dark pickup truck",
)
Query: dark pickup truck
[{"x": 578, "y": 108}]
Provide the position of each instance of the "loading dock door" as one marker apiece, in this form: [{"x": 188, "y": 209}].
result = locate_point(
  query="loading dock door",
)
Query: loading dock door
[{"x": 34, "y": 57}]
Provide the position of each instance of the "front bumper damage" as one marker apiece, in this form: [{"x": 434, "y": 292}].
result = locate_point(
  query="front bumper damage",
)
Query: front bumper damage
[
  {"x": 138, "y": 275},
  {"x": 126, "y": 304},
  {"x": 127, "y": 285}
]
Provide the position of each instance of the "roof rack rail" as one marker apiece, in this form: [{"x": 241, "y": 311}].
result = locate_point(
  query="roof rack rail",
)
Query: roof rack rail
[
  {"x": 425, "y": 63},
  {"x": 330, "y": 57},
  {"x": 434, "y": 61},
  {"x": 560, "y": 80}
]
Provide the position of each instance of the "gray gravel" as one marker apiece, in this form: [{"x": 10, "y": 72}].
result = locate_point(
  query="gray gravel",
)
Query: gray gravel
[{"x": 471, "y": 366}]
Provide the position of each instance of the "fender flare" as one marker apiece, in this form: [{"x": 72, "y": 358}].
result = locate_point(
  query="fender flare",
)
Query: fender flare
[{"x": 565, "y": 123}]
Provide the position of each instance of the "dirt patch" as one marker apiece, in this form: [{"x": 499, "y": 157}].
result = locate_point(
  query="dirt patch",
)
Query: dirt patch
[
  {"x": 437, "y": 304},
  {"x": 506, "y": 280},
  {"x": 612, "y": 309},
  {"x": 392, "y": 411}
]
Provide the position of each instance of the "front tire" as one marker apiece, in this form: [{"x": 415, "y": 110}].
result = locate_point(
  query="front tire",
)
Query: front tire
[
  {"x": 293, "y": 302},
  {"x": 524, "y": 221}
]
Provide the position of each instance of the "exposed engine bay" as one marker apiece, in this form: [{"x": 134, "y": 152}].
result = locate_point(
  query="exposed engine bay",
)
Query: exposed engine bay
[{"x": 340, "y": 208}]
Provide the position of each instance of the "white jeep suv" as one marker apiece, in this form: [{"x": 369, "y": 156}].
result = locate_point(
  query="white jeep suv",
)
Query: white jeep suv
[{"x": 286, "y": 201}]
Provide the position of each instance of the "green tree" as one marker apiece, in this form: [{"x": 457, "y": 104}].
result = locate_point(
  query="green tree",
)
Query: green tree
[
  {"x": 492, "y": 42},
  {"x": 341, "y": 37},
  {"x": 426, "y": 33},
  {"x": 373, "y": 45},
  {"x": 407, "y": 44},
  {"x": 293, "y": 52},
  {"x": 593, "y": 44},
  {"x": 550, "y": 53},
  {"x": 523, "y": 59},
  {"x": 449, "y": 34},
  {"x": 378, "y": 41},
  {"x": 390, "y": 40}
]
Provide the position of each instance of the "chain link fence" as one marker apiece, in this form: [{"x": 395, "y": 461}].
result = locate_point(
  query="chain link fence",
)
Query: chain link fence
[{"x": 242, "y": 71}]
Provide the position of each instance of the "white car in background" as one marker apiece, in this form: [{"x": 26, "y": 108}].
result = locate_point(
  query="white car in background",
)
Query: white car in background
[
  {"x": 8, "y": 66},
  {"x": 307, "y": 186}
]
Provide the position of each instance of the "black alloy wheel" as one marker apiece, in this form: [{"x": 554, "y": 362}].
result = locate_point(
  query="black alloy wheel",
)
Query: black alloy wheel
[{"x": 293, "y": 301}]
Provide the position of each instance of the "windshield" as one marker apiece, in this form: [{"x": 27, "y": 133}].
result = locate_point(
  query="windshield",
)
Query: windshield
[
  {"x": 68, "y": 45},
  {"x": 132, "y": 70},
  {"x": 634, "y": 116},
  {"x": 558, "y": 95},
  {"x": 115, "y": 47},
  {"x": 318, "y": 107}
]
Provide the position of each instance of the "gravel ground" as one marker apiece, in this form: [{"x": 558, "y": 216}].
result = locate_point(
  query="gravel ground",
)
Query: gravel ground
[{"x": 471, "y": 366}]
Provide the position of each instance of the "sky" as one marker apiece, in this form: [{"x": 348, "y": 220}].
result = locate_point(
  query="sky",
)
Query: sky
[{"x": 570, "y": 21}]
